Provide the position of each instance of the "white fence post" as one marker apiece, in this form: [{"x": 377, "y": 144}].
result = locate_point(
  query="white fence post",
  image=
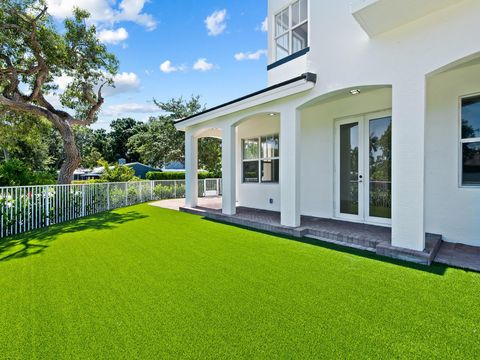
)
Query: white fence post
[
  {"x": 25, "y": 208},
  {"x": 47, "y": 206},
  {"x": 108, "y": 196},
  {"x": 83, "y": 200}
]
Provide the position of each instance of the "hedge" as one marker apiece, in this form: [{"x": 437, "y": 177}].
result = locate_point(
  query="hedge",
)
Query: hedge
[{"x": 177, "y": 175}]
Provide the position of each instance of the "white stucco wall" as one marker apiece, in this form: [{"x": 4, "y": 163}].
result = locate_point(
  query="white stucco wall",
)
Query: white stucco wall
[
  {"x": 342, "y": 54},
  {"x": 344, "y": 57},
  {"x": 256, "y": 195},
  {"x": 450, "y": 210}
]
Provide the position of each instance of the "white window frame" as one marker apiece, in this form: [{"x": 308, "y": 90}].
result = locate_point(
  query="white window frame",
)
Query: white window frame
[
  {"x": 259, "y": 159},
  {"x": 290, "y": 29},
  {"x": 464, "y": 141}
]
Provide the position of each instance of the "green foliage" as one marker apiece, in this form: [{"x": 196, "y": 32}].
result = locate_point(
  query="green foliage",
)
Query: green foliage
[
  {"x": 210, "y": 155},
  {"x": 159, "y": 142},
  {"x": 25, "y": 137},
  {"x": 122, "y": 130},
  {"x": 169, "y": 191},
  {"x": 178, "y": 175},
  {"x": 117, "y": 173},
  {"x": 93, "y": 145},
  {"x": 16, "y": 173}
]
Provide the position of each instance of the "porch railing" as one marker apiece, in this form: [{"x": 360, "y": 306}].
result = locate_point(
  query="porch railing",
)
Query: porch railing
[{"x": 25, "y": 208}]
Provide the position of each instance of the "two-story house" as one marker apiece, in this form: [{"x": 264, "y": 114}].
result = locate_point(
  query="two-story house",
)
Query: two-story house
[{"x": 371, "y": 115}]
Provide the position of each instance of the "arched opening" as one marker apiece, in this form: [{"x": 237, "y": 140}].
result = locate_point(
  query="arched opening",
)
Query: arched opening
[{"x": 452, "y": 151}]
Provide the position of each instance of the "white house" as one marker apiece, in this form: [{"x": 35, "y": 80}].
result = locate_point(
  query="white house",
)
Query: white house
[{"x": 371, "y": 114}]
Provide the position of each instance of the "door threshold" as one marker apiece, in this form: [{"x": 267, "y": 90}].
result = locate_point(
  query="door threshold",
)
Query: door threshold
[{"x": 362, "y": 222}]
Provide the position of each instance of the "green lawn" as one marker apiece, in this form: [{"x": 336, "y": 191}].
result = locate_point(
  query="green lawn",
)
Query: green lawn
[{"x": 144, "y": 282}]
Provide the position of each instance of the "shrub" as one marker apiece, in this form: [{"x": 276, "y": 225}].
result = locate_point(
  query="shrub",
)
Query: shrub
[
  {"x": 177, "y": 175},
  {"x": 16, "y": 173},
  {"x": 169, "y": 191},
  {"x": 118, "y": 173}
]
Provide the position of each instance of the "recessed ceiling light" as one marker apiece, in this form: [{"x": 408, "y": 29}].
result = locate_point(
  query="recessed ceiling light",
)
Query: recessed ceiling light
[
  {"x": 272, "y": 114},
  {"x": 355, "y": 91}
]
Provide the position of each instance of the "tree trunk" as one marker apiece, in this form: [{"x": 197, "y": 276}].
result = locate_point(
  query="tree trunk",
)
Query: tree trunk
[
  {"x": 72, "y": 155},
  {"x": 6, "y": 155}
]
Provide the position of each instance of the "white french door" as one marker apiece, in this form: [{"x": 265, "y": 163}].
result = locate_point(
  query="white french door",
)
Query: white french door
[{"x": 363, "y": 181}]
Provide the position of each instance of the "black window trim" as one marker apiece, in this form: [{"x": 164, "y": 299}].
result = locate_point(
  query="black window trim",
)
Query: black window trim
[
  {"x": 288, "y": 58},
  {"x": 260, "y": 158},
  {"x": 463, "y": 141}
]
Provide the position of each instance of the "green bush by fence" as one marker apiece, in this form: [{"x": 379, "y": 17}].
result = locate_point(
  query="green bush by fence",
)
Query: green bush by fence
[{"x": 177, "y": 175}]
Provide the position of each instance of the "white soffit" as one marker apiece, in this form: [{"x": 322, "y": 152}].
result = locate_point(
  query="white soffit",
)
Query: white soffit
[{"x": 378, "y": 16}]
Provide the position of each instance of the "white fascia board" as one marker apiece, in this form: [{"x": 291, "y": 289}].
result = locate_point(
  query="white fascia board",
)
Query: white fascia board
[{"x": 264, "y": 98}]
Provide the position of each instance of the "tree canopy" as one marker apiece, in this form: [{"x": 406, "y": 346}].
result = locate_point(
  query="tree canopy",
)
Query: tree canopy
[
  {"x": 33, "y": 53},
  {"x": 159, "y": 142}
]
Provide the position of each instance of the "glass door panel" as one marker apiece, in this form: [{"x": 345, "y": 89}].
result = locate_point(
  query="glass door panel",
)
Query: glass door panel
[
  {"x": 348, "y": 168},
  {"x": 380, "y": 168}
]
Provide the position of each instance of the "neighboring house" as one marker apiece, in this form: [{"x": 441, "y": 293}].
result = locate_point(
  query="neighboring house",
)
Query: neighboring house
[
  {"x": 371, "y": 114},
  {"x": 174, "y": 166},
  {"x": 140, "y": 169}
]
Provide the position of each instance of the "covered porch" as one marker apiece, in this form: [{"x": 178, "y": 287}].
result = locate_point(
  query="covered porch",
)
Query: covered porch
[{"x": 362, "y": 164}]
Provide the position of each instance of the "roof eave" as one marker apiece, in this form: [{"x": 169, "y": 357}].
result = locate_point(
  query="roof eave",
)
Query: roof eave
[{"x": 293, "y": 86}]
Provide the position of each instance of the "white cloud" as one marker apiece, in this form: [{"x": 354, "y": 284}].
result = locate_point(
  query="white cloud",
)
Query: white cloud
[
  {"x": 124, "y": 82},
  {"x": 202, "y": 65},
  {"x": 131, "y": 10},
  {"x": 132, "y": 108},
  {"x": 249, "y": 55},
  {"x": 104, "y": 11},
  {"x": 216, "y": 22},
  {"x": 113, "y": 36},
  {"x": 264, "y": 25},
  {"x": 168, "y": 68},
  {"x": 62, "y": 82}
]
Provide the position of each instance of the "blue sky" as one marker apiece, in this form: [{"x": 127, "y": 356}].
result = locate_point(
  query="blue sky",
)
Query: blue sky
[{"x": 146, "y": 34}]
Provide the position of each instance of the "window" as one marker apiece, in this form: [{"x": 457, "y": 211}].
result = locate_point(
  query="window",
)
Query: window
[
  {"x": 291, "y": 29},
  {"x": 260, "y": 159},
  {"x": 470, "y": 141}
]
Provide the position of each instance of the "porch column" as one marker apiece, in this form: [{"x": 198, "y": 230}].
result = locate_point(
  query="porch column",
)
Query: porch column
[
  {"x": 229, "y": 201},
  {"x": 290, "y": 167},
  {"x": 191, "y": 169},
  {"x": 408, "y": 163}
]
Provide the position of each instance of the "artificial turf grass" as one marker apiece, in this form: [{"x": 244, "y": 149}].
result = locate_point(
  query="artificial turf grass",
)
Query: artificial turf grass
[{"x": 143, "y": 282}]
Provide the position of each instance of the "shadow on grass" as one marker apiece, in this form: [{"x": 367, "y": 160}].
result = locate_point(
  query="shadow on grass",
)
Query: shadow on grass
[
  {"x": 435, "y": 268},
  {"x": 37, "y": 241}
]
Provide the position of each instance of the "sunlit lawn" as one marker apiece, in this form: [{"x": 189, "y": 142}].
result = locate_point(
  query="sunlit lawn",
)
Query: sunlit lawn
[{"x": 143, "y": 282}]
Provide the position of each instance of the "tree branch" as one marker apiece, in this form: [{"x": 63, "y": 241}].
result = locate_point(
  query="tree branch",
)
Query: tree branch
[
  {"x": 42, "y": 73},
  {"x": 96, "y": 104},
  {"x": 24, "y": 107}
]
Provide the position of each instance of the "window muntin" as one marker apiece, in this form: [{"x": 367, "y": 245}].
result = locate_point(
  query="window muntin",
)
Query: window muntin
[
  {"x": 470, "y": 141},
  {"x": 291, "y": 29},
  {"x": 260, "y": 161}
]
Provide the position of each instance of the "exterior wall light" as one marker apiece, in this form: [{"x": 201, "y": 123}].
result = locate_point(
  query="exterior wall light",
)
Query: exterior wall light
[{"x": 355, "y": 91}]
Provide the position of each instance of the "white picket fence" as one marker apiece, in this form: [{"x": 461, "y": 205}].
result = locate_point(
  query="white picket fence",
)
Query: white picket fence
[{"x": 25, "y": 208}]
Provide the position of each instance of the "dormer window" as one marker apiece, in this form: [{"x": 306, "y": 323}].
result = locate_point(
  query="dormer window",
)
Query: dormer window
[{"x": 291, "y": 29}]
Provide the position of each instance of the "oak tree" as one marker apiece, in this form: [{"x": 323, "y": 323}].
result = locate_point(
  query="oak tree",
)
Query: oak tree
[{"x": 33, "y": 53}]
